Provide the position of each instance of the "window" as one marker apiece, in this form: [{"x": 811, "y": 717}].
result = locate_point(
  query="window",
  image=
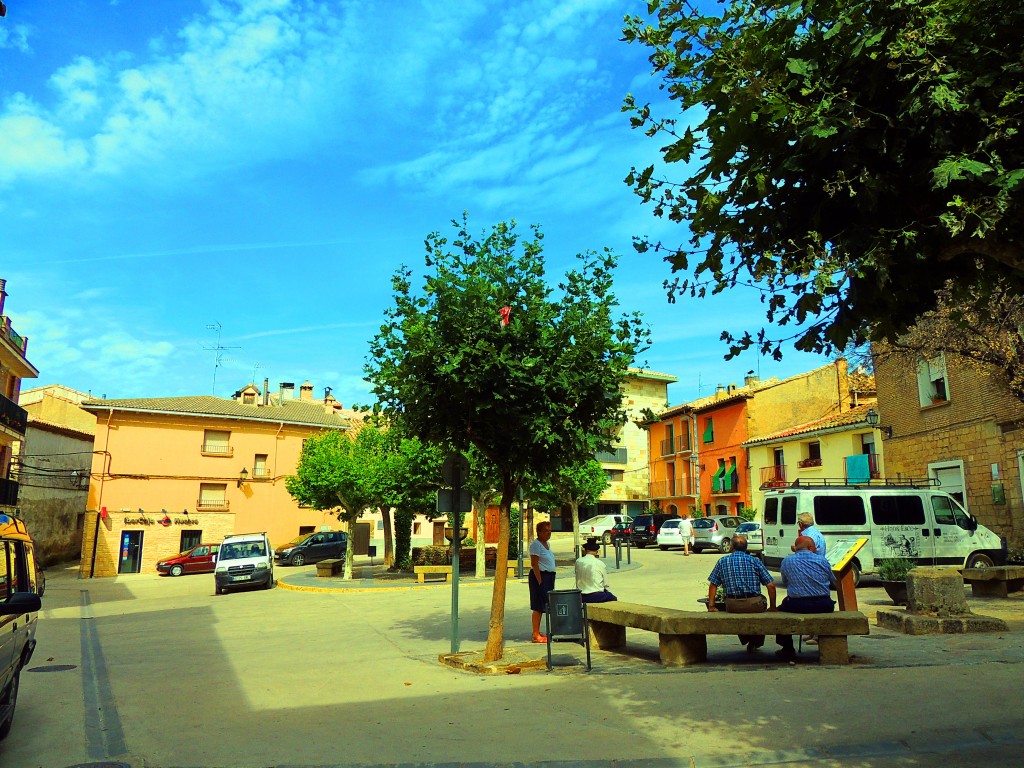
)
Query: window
[
  {"x": 788, "y": 510},
  {"x": 304, "y": 529},
  {"x": 771, "y": 511},
  {"x": 839, "y": 510},
  {"x": 948, "y": 513},
  {"x": 950, "y": 475},
  {"x": 709, "y": 430},
  {"x": 718, "y": 479},
  {"x": 668, "y": 445},
  {"x": 216, "y": 443},
  {"x": 5, "y": 571},
  {"x": 614, "y": 475},
  {"x": 213, "y": 496},
  {"x": 670, "y": 474},
  {"x": 249, "y": 398},
  {"x": 931, "y": 381},
  {"x": 189, "y": 539},
  {"x": 897, "y": 510},
  {"x": 259, "y": 466},
  {"x": 813, "y": 458}
]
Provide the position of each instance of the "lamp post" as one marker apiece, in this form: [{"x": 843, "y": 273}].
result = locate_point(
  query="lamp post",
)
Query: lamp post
[
  {"x": 243, "y": 476},
  {"x": 873, "y": 420}
]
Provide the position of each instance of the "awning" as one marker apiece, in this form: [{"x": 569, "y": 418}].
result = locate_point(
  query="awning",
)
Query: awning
[{"x": 716, "y": 481}]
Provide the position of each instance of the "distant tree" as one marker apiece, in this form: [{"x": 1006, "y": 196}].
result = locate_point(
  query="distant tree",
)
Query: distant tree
[
  {"x": 485, "y": 355},
  {"x": 484, "y": 486},
  {"x": 332, "y": 474},
  {"x": 575, "y": 485},
  {"x": 991, "y": 341},
  {"x": 417, "y": 479},
  {"x": 847, "y": 158}
]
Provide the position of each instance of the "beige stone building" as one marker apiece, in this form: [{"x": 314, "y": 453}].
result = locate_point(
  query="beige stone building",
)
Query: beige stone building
[
  {"x": 53, "y": 466},
  {"x": 950, "y": 422},
  {"x": 14, "y": 366}
]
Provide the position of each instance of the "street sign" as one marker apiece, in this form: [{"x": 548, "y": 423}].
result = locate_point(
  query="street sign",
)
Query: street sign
[
  {"x": 455, "y": 470},
  {"x": 447, "y": 504}
]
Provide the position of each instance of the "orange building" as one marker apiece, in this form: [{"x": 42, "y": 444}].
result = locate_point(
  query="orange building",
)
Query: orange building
[
  {"x": 171, "y": 472},
  {"x": 14, "y": 366}
]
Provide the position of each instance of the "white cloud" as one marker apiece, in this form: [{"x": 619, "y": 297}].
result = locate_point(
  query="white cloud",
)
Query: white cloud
[
  {"x": 15, "y": 37},
  {"x": 32, "y": 144}
]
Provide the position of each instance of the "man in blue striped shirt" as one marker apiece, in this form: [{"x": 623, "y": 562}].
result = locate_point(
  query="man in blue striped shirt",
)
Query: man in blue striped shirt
[
  {"x": 741, "y": 576},
  {"x": 807, "y": 577}
]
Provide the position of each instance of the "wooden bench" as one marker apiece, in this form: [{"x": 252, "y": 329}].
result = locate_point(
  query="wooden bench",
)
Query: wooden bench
[
  {"x": 998, "y": 581},
  {"x": 330, "y": 567},
  {"x": 682, "y": 635},
  {"x": 422, "y": 571}
]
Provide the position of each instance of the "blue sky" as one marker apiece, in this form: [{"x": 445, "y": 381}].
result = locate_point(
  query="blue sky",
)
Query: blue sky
[{"x": 266, "y": 165}]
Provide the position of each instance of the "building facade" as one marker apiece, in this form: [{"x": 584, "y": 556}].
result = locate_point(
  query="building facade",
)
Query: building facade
[
  {"x": 958, "y": 426},
  {"x": 14, "y": 366},
  {"x": 53, "y": 466},
  {"x": 170, "y": 473}
]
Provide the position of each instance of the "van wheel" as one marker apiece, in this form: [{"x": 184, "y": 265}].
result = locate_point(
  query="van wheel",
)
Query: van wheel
[
  {"x": 979, "y": 560},
  {"x": 10, "y": 701},
  {"x": 298, "y": 559},
  {"x": 176, "y": 570},
  {"x": 725, "y": 546}
]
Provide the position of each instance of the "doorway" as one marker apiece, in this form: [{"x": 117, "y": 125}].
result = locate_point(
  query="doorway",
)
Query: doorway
[{"x": 131, "y": 552}]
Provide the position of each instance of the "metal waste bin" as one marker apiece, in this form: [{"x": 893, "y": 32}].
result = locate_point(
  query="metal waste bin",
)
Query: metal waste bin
[{"x": 567, "y": 620}]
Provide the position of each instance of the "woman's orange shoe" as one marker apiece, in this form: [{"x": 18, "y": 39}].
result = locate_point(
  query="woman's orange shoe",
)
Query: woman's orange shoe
[{"x": 539, "y": 639}]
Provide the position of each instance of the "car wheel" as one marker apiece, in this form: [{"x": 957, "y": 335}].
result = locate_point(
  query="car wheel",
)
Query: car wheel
[
  {"x": 9, "y": 702},
  {"x": 725, "y": 546},
  {"x": 219, "y": 590},
  {"x": 979, "y": 560},
  {"x": 298, "y": 559},
  {"x": 662, "y": 547},
  {"x": 176, "y": 570},
  {"x": 639, "y": 546},
  {"x": 607, "y": 537}
]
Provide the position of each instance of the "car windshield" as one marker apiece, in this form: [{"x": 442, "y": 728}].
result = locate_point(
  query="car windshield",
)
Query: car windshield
[
  {"x": 300, "y": 538},
  {"x": 669, "y": 524},
  {"x": 747, "y": 527},
  {"x": 242, "y": 549}
]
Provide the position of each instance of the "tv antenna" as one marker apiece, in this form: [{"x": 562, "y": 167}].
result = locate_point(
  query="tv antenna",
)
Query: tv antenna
[
  {"x": 255, "y": 366},
  {"x": 218, "y": 352}
]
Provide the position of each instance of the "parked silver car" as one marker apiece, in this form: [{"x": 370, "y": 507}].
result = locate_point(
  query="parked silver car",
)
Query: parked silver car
[
  {"x": 715, "y": 532},
  {"x": 755, "y": 537}
]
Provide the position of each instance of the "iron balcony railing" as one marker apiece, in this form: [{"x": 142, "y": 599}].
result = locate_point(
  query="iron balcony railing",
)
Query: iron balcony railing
[
  {"x": 260, "y": 473},
  {"x": 7, "y": 331},
  {"x": 209, "y": 504},
  {"x": 774, "y": 476},
  {"x": 217, "y": 449},
  {"x": 12, "y": 415},
  {"x": 614, "y": 456}
]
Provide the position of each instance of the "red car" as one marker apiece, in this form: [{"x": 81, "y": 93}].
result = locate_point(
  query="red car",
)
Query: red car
[{"x": 201, "y": 559}]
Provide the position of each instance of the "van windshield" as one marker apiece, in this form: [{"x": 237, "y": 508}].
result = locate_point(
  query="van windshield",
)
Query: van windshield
[{"x": 243, "y": 549}]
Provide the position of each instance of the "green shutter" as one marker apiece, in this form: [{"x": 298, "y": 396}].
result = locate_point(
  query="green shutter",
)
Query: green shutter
[
  {"x": 709, "y": 431},
  {"x": 716, "y": 481},
  {"x": 730, "y": 475}
]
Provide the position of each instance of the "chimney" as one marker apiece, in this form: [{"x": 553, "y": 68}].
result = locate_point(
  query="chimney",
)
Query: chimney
[
  {"x": 306, "y": 391},
  {"x": 731, "y": 389},
  {"x": 286, "y": 390},
  {"x": 749, "y": 379},
  {"x": 720, "y": 389},
  {"x": 3, "y": 294},
  {"x": 266, "y": 391}
]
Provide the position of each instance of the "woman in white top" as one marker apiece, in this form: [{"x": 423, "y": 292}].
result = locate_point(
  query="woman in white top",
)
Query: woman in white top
[{"x": 541, "y": 578}]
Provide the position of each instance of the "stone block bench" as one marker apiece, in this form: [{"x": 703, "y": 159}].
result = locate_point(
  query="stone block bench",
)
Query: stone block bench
[
  {"x": 330, "y": 567},
  {"x": 998, "y": 581},
  {"x": 422, "y": 571},
  {"x": 682, "y": 635}
]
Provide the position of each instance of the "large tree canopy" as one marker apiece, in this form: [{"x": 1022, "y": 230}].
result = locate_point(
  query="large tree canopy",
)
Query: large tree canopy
[
  {"x": 846, "y": 157},
  {"x": 486, "y": 354}
]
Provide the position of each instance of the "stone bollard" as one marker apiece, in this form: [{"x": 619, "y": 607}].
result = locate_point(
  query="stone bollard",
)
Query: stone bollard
[{"x": 936, "y": 592}]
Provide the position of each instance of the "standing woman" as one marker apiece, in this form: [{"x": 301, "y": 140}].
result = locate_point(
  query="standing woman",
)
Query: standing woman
[{"x": 542, "y": 577}]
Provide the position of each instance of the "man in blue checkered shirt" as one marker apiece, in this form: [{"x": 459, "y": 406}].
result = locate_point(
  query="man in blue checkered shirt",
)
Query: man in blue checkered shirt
[
  {"x": 741, "y": 576},
  {"x": 808, "y": 578}
]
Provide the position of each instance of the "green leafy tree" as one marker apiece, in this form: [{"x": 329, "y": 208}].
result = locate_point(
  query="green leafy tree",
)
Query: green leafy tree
[
  {"x": 847, "y": 158},
  {"x": 418, "y": 481},
  {"x": 574, "y": 485},
  {"x": 485, "y": 355},
  {"x": 484, "y": 486},
  {"x": 332, "y": 474}
]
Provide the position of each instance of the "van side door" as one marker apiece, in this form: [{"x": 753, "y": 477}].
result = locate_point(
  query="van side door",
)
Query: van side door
[
  {"x": 951, "y": 531},
  {"x": 901, "y": 528},
  {"x": 9, "y": 640}
]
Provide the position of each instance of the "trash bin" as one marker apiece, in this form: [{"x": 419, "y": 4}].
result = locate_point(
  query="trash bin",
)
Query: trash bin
[{"x": 567, "y": 620}]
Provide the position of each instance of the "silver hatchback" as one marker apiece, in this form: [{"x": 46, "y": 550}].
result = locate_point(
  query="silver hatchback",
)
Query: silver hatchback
[{"x": 715, "y": 532}]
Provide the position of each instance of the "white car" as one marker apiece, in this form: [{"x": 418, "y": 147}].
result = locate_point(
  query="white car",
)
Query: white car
[
  {"x": 601, "y": 526},
  {"x": 670, "y": 534}
]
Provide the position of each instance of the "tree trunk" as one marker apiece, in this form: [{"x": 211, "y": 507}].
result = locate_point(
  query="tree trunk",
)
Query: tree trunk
[
  {"x": 496, "y": 625},
  {"x": 481, "y": 534},
  {"x": 389, "y": 545},
  {"x": 529, "y": 524},
  {"x": 350, "y": 520},
  {"x": 575, "y": 507}
]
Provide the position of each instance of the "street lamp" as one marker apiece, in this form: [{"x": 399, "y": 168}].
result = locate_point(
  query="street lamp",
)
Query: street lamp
[
  {"x": 873, "y": 419},
  {"x": 243, "y": 476}
]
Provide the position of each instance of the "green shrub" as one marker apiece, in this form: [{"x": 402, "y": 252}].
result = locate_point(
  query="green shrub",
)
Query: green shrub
[
  {"x": 1015, "y": 553},
  {"x": 433, "y": 555},
  {"x": 895, "y": 568}
]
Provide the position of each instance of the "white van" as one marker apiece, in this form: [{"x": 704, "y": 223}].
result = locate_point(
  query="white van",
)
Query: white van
[
  {"x": 909, "y": 520},
  {"x": 244, "y": 559}
]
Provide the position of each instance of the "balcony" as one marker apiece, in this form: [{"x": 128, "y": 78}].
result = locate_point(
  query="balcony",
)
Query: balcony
[
  {"x": 670, "y": 489},
  {"x": 614, "y": 456},
  {"x": 773, "y": 477},
  {"x": 260, "y": 473},
  {"x": 8, "y": 492},
  {"x": 212, "y": 505},
  {"x": 726, "y": 480},
  {"x": 13, "y": 416},
  {"x": 217, "y": 449},
  {"x": 7, "y": 331},
  {"x": 862, "y": 467}
]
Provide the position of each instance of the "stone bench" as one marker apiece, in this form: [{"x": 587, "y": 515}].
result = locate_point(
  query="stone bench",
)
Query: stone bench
[
  {"x": 682, "y": 635},
  {"x": 330, "y": 567},
  {"x": 422, "y": 571},
  {"x": 998, "y": 581}
]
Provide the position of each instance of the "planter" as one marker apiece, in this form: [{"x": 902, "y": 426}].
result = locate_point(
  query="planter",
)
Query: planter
[
  {"x": 463, "y": 533},
  {"x": 897, "y": 590}
]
